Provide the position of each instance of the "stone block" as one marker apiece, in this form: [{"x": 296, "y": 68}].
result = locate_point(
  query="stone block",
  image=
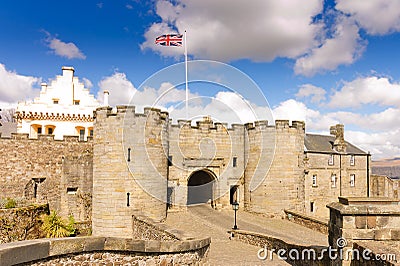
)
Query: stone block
[
  {"x": 21, "y": 252},
  {"x": 371, "y": 222},
  {"x": 360, "y": 222},
  {"x": 382, "y": 221},
  {"x": 383, "y": 234},
  {"x": 152, "y": 246}
]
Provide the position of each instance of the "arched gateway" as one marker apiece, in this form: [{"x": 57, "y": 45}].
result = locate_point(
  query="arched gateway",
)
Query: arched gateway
[{"x": 201, "y": 187}]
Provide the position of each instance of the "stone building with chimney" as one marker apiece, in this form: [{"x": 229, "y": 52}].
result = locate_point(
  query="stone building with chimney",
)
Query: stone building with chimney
[
  {"x": 64, "y": 108},
  {"x": 142, "y": 163}
]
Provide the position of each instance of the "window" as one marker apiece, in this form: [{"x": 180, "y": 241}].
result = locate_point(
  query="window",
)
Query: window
[
  {"x": 81, "y": 134},
  {"x": 234, "y": 162},
  {"x": 55, "y": 101},
  {"x": 352, "y": 160},
  {"x": 312, "y": 206},
  {"x": 39, "y": 130},
  {"x": 333, "y": 180},
  {"x": 331, "y": 159},
  {"x": 72, "y": 190},
  {"x": 234, "y": 194},
  {"x": 129, "y": 155},
  {"x": 50, "y": 131},
  {"x": 91, "y": 132},
  {"x": 76, "y": 102},
  {"x": 352, "y": 180},
  {"x": 314, "y": 180},
  {"x": 128, "y": 199},
  {"x": 170, "y": 160}
]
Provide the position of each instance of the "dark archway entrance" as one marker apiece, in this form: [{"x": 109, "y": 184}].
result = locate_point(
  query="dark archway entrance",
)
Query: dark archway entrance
[{"x": 201, "y": 188}]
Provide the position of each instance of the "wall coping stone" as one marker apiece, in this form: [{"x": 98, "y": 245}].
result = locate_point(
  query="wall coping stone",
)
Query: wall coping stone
[
  {"x": 368, "y": 200},
  {"x": 357, "y": 210},
  {"x": 33, "y": 250}
]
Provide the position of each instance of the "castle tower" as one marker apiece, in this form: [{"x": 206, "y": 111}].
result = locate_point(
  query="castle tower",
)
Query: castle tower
[
  {"x": 130, "y": 168},
  {"x": 274, "y": 180}
]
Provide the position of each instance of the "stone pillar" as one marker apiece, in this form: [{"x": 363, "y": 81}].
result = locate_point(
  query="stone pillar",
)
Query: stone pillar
[{"x": 361, "y": 218}]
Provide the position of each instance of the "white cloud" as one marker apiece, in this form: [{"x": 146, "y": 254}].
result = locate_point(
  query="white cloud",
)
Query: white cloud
[
  {"x": 379, "y": 132},
  {"x": 15, "y": 87},
  {"x": 88, "y": 84},
  {"x": 343, "y": 48},
  {"x": 258, "y": 30},
  {"x": 120, "y": 88},
  {"x": 122, "y": 91},
  {"x": 367, "y": 90},
  {"x": 63, "y": 49},
  {"x": 376, "y": 16},
  {"x": 317, "y": 94}
]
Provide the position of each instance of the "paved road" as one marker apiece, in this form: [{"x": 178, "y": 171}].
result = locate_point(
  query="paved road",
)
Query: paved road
[{"x": 202, "y": 221}]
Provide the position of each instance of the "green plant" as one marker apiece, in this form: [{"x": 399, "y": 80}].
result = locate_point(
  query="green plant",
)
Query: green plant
[
  {"x": 10, "y": 203},
  {"x": 54, "y": 226}
]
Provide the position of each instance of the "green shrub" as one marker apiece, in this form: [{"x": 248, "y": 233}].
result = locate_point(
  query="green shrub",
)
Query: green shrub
[
  {"x": 54, "y": 226},
  {"x": 10, "y": 203}
]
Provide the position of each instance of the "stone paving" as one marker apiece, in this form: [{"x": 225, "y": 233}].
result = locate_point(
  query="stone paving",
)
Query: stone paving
[{"x": 203, "y": 221}]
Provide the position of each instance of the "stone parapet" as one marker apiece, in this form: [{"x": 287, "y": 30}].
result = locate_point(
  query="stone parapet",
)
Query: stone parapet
[
  {"x": 96, "y": 249},
  {"x": 368, "y": 219}
]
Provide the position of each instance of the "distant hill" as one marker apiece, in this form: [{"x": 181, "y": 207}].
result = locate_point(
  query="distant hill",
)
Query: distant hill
[{"x": 388, "y": 167}]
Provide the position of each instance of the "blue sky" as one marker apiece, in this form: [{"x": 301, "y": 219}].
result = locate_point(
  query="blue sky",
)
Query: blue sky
[{"x": 323, "y": 62}]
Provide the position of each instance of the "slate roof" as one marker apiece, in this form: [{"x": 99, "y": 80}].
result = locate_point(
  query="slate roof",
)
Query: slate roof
[
  {"x": 6, "y": 128},
  {"x": 323, "y": 143}
]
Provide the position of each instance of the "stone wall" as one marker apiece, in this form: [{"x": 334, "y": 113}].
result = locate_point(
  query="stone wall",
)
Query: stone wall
[
  {"x": 22, "y": 223},
  {"x": 207, "y": 146},
  {"x": 129, "y": 168},
  {"x": 273, "y": 187},
  {"x": 363, "y": 219},
  {"x": 101, "y": 250},
  {"x": 384, "y": 186},
  {"x": 307, "y": 221},
  {"x": 35, "y": 169}
]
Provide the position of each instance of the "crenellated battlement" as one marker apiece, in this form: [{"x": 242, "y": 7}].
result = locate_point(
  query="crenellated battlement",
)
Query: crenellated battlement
[
  {"x": 121, "y": 110},
  {"x": 45, "y": 137}
]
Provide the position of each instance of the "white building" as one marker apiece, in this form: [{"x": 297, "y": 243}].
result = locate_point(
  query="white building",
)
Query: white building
[{"x": 63, "y": 108}]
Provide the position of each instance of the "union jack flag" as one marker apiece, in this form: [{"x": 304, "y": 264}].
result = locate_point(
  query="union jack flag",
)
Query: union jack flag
[{"x": 169, "y": 40}]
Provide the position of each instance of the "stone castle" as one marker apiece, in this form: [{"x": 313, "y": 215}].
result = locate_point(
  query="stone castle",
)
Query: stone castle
[{"x": 142, "y": 163}]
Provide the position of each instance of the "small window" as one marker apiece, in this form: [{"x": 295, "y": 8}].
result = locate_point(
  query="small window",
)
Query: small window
[
  {"x": 331, "y": 159},
  {"x": 352, "y": 160},
  {"x": 72, "y": 190},
  {"x": 234, "y": 162},
  {"x": 49, "y": 131},
  {"x": 352, "y": 180},
  {"x": 170, "y": 160},
  {"x": 39, "y": 130},
  {"x": 55, "y": 101},
  {"x": 81, "y": 134},
  {"x": 312, "y": 206},
  {"x": 129, "y": 155},
  {"x": 333, "y": 180},
  {"x": 314, "y": 180},
  {"x": 76, "y": 102},
  {"x": 234, "y": 194},
  {"x": 91, "y": 132}
]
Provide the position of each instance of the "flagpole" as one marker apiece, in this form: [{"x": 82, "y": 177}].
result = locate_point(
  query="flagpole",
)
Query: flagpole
[{"x": 186, "y": 79}]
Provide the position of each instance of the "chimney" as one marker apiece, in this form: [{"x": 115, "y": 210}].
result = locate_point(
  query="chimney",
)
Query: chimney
[
  {"x": 68, "y": 71},
  {"x": 338, "y": 131},
  {"x": 106, "y": 94},
  {"x": 43, "y": 85}
]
